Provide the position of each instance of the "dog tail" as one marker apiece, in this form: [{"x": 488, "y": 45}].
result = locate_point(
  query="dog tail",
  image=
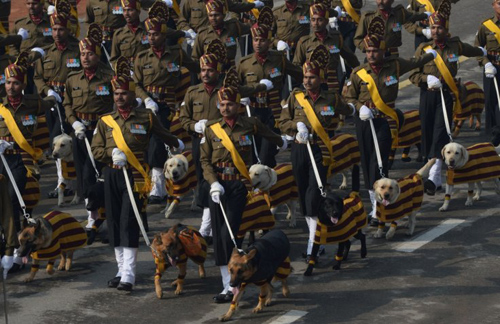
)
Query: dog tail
[
  {"x": 355, "y": 178},
  {"x": 424, "y": 171}
]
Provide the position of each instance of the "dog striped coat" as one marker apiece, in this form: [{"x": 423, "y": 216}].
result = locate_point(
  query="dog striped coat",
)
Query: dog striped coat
[
  {"x": 285, "y": 188},
  {"x": 345, "y": 152},
  {"x": 473, "y": 101},
  {"x": 67, "y": 234},
  {"x": 353, "y": 219},
  {"x": 256, "y": 215},
  {"x": 184, "y": 186},
  {"x": 409, "y": 200},
  {"x": 411, "y": 131},
  {"x": 483, "y": 164}
]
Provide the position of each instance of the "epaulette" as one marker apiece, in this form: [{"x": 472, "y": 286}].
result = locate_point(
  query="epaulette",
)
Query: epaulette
[
  {"x": 454, "y": 39},
  {"x": 143, "y": 53},
  {"x": 73, "y": 73},
  {"x": 370, "y": 12},
  {"x": 143, "y": 111},
  {"x": 203, "y": 29},
  {"x": 108, "y": 113},
  {"x": 276, "y": 53},
  {"x": 487, "y": 19},
  {"x": 213, "y": 121},
  {"x": 195, "y": 87},
  {"x": 174, "y": 47},
  {"x": 356, "y": 69},
  {"x": 20, "y": 19},
  {"x": 249, "y": 56}
]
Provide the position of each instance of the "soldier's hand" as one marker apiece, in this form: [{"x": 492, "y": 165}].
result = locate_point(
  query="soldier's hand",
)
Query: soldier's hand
[
  {"x": 433, "y": 52},
  {"x": 7, "y": 263},
  {"x": 119, "y": 158},
  {"x": 258, "y": 4},
  {"x": 52, "y": 93},
  {"x": 365, "y": 113},
  {"x": 169, "y": 3},
  {"x": 151, "y": 105},
  {"x": 180, "y": 146},
  {"x": 139, "y": 101},
  {"x": 4, "y": 145},
  {"x": 427, "y": 33},
  {"x": 282, "y": 46},
  {"x": 303, "y": 133},
  {"x": 285, "y": 144},
  {"x": 333, "y": 22},
  {"x": 428, "y": 13},
  {"x": 39, "y": 50},
  {"x": 490, "y": 70},
  {"x": 192, "y": 33},
  {"x": 433, "y": 82},
  {"x": 216, "y": 190},
  {"x": 268, "y": 83},
  {"x": 200, "y": 126},
  {"x": 79, "y": 129},
  {"x": 51, "y": 9},
  {"x": 245, "y": 101},
  {"x": 339, "y": 11},
  {"x": 23, "y": 33},
  {"x": 485, "y": 52}
]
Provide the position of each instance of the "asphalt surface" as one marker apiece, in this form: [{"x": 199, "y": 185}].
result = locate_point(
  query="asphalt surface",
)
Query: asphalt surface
[{"x": 449, "y": 278}]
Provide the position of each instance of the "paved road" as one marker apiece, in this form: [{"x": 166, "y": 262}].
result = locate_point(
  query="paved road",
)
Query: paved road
[{"x": 449, "y": 278}]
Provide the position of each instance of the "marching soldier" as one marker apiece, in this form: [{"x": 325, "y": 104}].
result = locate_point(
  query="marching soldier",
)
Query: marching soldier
[
  {"x": 120, "y": 141},
  {"x": 157, "y": 72},
  {"x": 87, "y": 96},
  {"x": 394, "y": 19},
  {"x": 488, "y": 36},
  {"x": 348, "y": 20},
  {"x": 307, "y": 115},
  {"x": 373, "y": 90},
  {"x": 266, "y": 66},
  {"x": 435, "y": 76},
  {"x": 226, "y": 137}
]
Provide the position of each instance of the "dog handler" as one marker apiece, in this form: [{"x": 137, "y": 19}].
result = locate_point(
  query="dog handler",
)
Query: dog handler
[
  {"x": 221, "y": 170},
  {"x": 431, "y": 78},
  {"x": 120, "y": 141}
]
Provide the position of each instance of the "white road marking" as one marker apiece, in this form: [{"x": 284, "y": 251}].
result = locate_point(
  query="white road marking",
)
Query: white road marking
[
  {"x": 430, "y": 235},
  {"x": 289, "y": 317}
]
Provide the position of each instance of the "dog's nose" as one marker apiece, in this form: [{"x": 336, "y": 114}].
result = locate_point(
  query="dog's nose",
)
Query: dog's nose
[
  {"x": 174, "y": 173},
  {"x": 387, "y": 196},
  {"x": 55, "y": 155}
]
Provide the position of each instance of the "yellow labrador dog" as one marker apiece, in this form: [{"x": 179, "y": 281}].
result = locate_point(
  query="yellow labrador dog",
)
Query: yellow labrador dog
[
  {"x": 479, "y": 162},
  {"x": 399, "y": 198},
  {"x": 62, "y": 148},
  {"x": 181, "y": 179}
]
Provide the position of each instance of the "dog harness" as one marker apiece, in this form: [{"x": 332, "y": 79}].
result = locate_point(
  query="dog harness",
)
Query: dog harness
[
  {"x": 353, "y": 219},
  {"x": 409, "y": 200},
  {"x": 185, "y": 185},
  {"x": 483, "y": 164},
  {"x": 345, "y": 152},
  {"x": 285, "y": 188},
  {"x": 67, "y": 235}
]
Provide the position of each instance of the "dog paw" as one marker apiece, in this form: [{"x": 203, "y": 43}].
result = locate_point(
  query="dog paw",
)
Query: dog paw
[
  {"x": 178, "y": 291},
  {"x": 476, "y": 198},
  {"x": 61, "y": 267},
  {"x": 378, "y": 234},
  {"x": 443, "y": 209},
  {"x": 62, "y": 204},
  {"x": 409, "y": 233},
  {"x": 309, "y": 270},
  {"x": 268, "y": 302},
  {"x": 336, "y": 266},
  {"x": 257, "y": 309},
  {"x": 50, "y": 271},
  {"x": 286, "y": 292},
  {"x": 469, "y": 203},
  {"x": 364, "y": 253},
  {"x": 225, "y": 317},
  {"x": 343, "y": 187},
  {"x": 28, "y": 279},
  {"x": 159, "y": 293},
  {"x": 292, "y": 224},
  {"x": 75, "y": 201}
]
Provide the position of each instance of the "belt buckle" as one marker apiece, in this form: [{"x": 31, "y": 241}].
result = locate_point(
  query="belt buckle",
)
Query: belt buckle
[
  {"x": 228, "y": 171},
  {"x": 376, "y": 112}
]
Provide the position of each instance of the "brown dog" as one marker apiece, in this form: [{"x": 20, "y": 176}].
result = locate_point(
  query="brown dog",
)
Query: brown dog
[
  {"x": 55, "y": 234},
  {"x": 174, "y": 247},
  {"x": 266, "y": 259}
]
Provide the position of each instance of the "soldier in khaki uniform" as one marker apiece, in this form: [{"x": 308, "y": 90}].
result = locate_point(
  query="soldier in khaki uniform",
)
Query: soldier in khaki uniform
[
  {"x": 326, "y": 106},
  {"x": 87, "y": 96},
  {"x": 270, "y": 65},
  {"x": 228, "y": 31},
  {"x": 333, "y": 41},
  {"x": 383, "y": 73},
  {"x": 219, "y": 171},
  {"x": 394, "y": 18},
  {"x": 431, "y": 80},
  {"x": 486, "y": 37},
  {"x": 136, "y": 127}
]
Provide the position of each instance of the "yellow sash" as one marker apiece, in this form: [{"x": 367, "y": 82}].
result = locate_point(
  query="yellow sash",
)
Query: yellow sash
[
  {"x": 122, "y": 145},
  {"x": 379, "y": 103},
  {"x": 175, "y": 6},
  {"x": 14, "y": 130},
  {"x": 448, "y": 78},
  {"x": 228, "y": 144},
  {"x": 350, "y": 10},
  {"x": 2, "y": 30},
  {"x": 493, "y": 28},
  {"x": 428, "y": 5},
  {"x": 255, "y": 11}
]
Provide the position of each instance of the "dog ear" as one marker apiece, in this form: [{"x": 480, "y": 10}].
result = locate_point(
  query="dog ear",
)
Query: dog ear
[
  {"x": 38, "y": 226},
  {"x": 235, "y": 252},
  {"x": 465, "y": 153},
  {"x": 397, "y": 192},
  {"x": 442, "y": 151},
  {"x": 375, "y": 185},
  {"x": 269, "y": 172},
  {"x": 251, "y": 254}
]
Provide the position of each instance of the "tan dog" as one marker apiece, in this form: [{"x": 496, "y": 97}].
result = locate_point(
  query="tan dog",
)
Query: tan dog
[
  {"x": 174, "y": 247},
  {"x": 393, "y": 203},
  {"x": 62, "y": 148},
  {"x": 279, "y": 183},
  {"x": 55, "y": 234},
  {"x": 181, "y": 179},
  {"x": 479, "y": 162}
]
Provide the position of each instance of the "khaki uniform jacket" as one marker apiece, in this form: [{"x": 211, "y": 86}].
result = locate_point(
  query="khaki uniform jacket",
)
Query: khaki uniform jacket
[
  {"x": 485, "y": 38},
  {"x": 452, "y": 51},
  {"x": 387, "y": 80},
  {"x": 394, "y": 24},
  {"x": 38, "y": 35},
  {"x": 89, "y": 97},
  {"x": 293, "y": 112},
  {"x": 212, "y": 150},
  {"x": 149, "y": 70},
  {"x": 56, "y": 65},
  {"x": 143, "y": 119},
  {"x": 106, "y": 13},
  {"x": 417, "y": 7},
  {"x": 291, "y": 26}
]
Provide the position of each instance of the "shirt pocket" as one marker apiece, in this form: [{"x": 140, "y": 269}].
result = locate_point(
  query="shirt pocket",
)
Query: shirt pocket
[
  {"x": 491, "y": 42},
  {"x": 98, "y": 14},
  {"x": 49, "y": 68},
  {"x": 149, "y": 75},
  {"x": 125, "y": 49},
  {"x": 197, "y": 110},
  {"x": 252, "y": 79},
  {"x": 281, "y": 25},
  {"x": 196, "y": 16},
  {"x": 77, "y": 96}
]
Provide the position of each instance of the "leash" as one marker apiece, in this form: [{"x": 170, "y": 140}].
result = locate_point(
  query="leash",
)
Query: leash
[
  {"x": 91, "y": 156},
  {"x": 315, "y": 169},
  {"x": 246, "y": 44},
  {"x": 289, "y": 77},
  {"x": 169, "y": 152},
  {"x": 57, "y": 107},
  {"x": 253, "y": 138},
  {"x": 445, "y": 114},
  {"x": 16, "y": 189},
  {"x": 107, "y": 56},
  {"x": 229, "y": 229},
  {"x": 496, "y": 89},
  {"x": 377, "y": 149},
  {"x": 4, "y": 286}
]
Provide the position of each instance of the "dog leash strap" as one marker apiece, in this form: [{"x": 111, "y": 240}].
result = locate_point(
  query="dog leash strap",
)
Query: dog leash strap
[
  {"x": 377, "y": 149},
  {"x": 91, "y": 156},
  {"x": 445, "y": 115},
  {"x": 315, "y": 169},
  {"x": 169, "y": 152},
  {"x": 16, "y": 189},
  {"x": 253, "y": 137},
  {"x": 229, "y": 227},
  {"x": 57, "y": 108}
]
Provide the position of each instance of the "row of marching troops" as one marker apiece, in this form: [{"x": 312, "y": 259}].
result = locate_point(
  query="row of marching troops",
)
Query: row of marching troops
[{"x": 122, "y": 91}]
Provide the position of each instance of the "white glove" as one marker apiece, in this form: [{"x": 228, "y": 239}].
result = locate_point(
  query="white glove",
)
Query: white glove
[
  {"x": 433, "y": 82},
  {"x": 268, "y": 83},
  {"x": 485, "y": 52},
  {"x": 301, "y": 127},
  {"x": 39, "y": 50},
  {"x": 151, "y": 104},
  {"x": 333, "y": 22},
  {"x": 4, "y": 145},
  {"x": 216, "y": 190},
  {"x": 181, "y": 146},
  {"x": 169, "y": 3},
  {"x": 365, "y": 113},
  {"x": 200, "y": 126},
  {"x": 427, "y": 33},
  {"x": 303, "y": 134},
  {"x": 489, "y": 70},
  {"x": 79, "y": 129},
  {"x": 139, "y": 101},
  {"x": 190, "y": 42},
  {"x": 23, "y": 33},
  {"x": 339, "y": 11},
  {"x": 7, "y": 263},
  {"x": 433, "y": 52},
  {"x": 52, "y": 93},
  {"x": 285, "y": 144},
  {"x": 258, "y": 4},
  {"x": 245, "y": 101},
  {"x": 428, "y": 13},
  {"x": 51, "y": 9},
  {"x": 282, "y": 46},
  {"x": 119, "y": 158}
]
